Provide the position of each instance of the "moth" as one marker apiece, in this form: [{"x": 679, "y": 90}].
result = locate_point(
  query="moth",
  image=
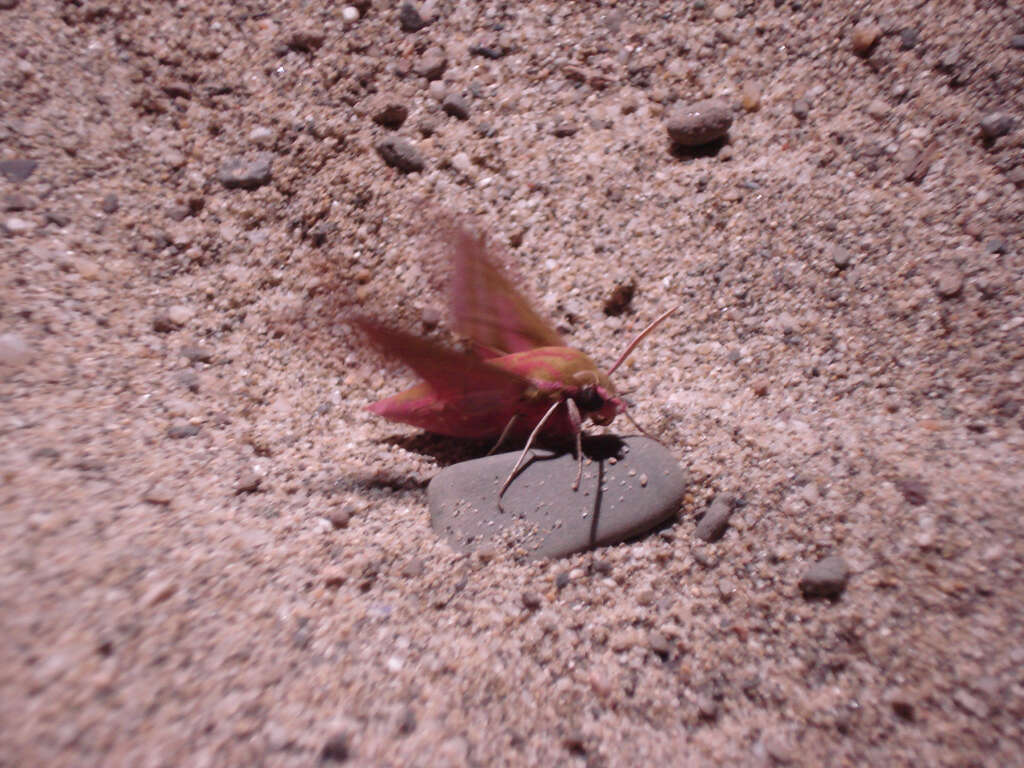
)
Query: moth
[{"x": 519, "y": 379}]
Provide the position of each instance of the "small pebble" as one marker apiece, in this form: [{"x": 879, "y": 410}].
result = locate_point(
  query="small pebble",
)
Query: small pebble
[
  {"x": 14, "y": 351},
  {"x": 335, "y": 749},
  {"x": 196, "y": 354},
  {"x": 413, "y": 568},
  {"x": 909, "y": 38},
  {"x": 409, "y": 18},
  {"x": 878, "y": 109},
  {"x": 339, "y": 518},
  {"x": 248, "y": 482},
  {"x": 531, "y": 600},
  {"x": 659, "y": 644},
  {"x": 18, "y": 169},
  {"x": 261, "y": 136},
  {"x": 432, "y": 63},
  {"x": 826, "y": 578},
  {"x": 400, "y": 154},
  {"x": 456, "y": 106},
  {"x": 712, "y": 526},
  {"x": 750, "y": 97},
  {"x": 390, "y": 113},
  {"x": 950, "y": 282},
  {"x": 864, "y": 38},
  {"x": 239, "y": 173},
  {"x": 914, "y": 491},
  {"x": 350, "y": 14},
  {"x": 179, "y": 314},
  {"x": 691, "y": 125},
  {"x": 1017, "y": 42},
  {"x": 15, "y": 202},
  {"x": 17, "y": 226},
  {"x": 159, "y": 495},
  {"x": 110, "y": 204},
  {"x": 995, "y": 124},
  {"x": 801, "y": 108},
  {"x": 182, "y": 429},
  {"x": 460, "y": 162},
  {"x": 841, "y": 258}
]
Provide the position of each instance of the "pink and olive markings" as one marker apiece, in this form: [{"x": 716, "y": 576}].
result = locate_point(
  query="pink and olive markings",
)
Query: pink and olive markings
[{"x": 520, "y": 374}]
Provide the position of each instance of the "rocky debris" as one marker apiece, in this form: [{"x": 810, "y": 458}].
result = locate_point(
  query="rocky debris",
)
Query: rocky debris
[
  {"x": 542, "y": 513},
  {"x": 691, "y": 125},
  {"x": 826, "y": 578},
  {"x": 712, "y": 526},
  {"x": 15, "y": 226},
  {"x": 239, "y": 173},
  {"x": 840, "y": 256},
  {"x": 949, "y": 283},
  {"x": 400, "y": 154}
]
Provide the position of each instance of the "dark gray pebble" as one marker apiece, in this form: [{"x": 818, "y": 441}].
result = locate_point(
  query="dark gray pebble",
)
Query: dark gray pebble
[
  {"x": 239, "y": 173},
  {"x": 712, "y": 526},
  {"x": 400, "y": 153},
  {"x": 629, "y": 486},
  {"x": 908, "y": 38},
  {"x": 826, "y": 578},
  {"x": 995, "y": 124},
  {"x": 691, "y": 125},
  {"x": 196, "y": 354},
  {"x": 110, "y": 204},
  {"x": 456, "y": 106},
  {"x": 409, "y": 18},
  {"x": 1017, "y": 42},
  {"x": 18, "y": 169},
  {"x": 181, "y": 430}
]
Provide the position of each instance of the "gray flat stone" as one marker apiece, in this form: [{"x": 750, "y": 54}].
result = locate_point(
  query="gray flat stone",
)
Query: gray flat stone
[{"x": 629, "y": 486}]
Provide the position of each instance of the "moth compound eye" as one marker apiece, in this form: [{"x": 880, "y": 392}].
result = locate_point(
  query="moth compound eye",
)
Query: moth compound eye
[{"x": 589, "y": 399}]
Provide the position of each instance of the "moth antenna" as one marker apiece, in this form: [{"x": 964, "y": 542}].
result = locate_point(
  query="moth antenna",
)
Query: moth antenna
[
  {"x": 636, "y": 424},
  {"x": 640, "y": 337},
  {"x": 504, "y": 433},
  {"x": 522, "y": 456}
]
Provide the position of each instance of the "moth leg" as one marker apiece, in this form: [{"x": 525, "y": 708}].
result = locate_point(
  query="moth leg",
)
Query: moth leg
[
  {"x": 504, "y": 433},
  {"x": 522, "y": 456},
  {"x": 576, "y": 421}
]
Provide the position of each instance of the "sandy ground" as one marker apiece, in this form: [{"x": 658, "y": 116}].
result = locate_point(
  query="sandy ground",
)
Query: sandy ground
[{"x": 213, "y": 555}]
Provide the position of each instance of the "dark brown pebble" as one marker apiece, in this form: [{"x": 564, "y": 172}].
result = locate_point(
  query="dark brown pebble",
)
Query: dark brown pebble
[
  {"x": 335, "y": 749},
  {"x": 691, "y": 125},
  {"x": 826, "y": 578},
  {"x": 390, "y": 113},
  {"x": 340, "y": 517},
  {"x": 531, "y": 600}
]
